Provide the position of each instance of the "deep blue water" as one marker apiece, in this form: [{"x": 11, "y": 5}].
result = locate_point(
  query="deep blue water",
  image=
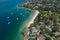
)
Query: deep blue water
[
  {"x": 11, "y": 19},
  {"x": 9, "y": 4}
]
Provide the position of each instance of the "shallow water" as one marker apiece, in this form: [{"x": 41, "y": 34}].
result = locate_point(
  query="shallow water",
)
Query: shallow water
[
  {"x": 11, "y": 19},
  {"x": 10, "y": 23}
]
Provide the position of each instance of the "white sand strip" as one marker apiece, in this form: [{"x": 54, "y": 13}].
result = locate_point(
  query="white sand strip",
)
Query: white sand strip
[{"x": 32, "y": 19}]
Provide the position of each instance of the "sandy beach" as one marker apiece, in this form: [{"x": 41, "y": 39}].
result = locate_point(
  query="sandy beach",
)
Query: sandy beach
[
  {"x": 32, "y": 19},
  {"x": 36, "y": 12}
]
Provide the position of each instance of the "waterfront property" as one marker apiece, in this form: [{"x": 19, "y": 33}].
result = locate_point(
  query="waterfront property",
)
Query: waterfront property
[{"x": 47, "y": 23}]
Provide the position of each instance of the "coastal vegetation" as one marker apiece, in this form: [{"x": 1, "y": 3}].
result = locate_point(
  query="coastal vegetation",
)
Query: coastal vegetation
[{"x": 47, "y": 23}]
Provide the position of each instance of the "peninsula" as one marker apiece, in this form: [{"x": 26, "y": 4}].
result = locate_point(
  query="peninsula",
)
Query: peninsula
[{"x": 45, "y": 23}]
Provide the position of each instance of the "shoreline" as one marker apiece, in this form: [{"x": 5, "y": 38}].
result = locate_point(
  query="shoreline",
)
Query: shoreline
[{"x": 36, "y": 12}]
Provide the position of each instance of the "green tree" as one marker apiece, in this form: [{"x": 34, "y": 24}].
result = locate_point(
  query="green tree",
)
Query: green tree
[{"x": 47, "y": 38}]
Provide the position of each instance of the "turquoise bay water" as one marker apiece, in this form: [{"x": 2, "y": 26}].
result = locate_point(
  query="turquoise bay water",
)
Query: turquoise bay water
[
  {"x": 11, "y": 23},
  {"x": 12, "y": 19}
]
